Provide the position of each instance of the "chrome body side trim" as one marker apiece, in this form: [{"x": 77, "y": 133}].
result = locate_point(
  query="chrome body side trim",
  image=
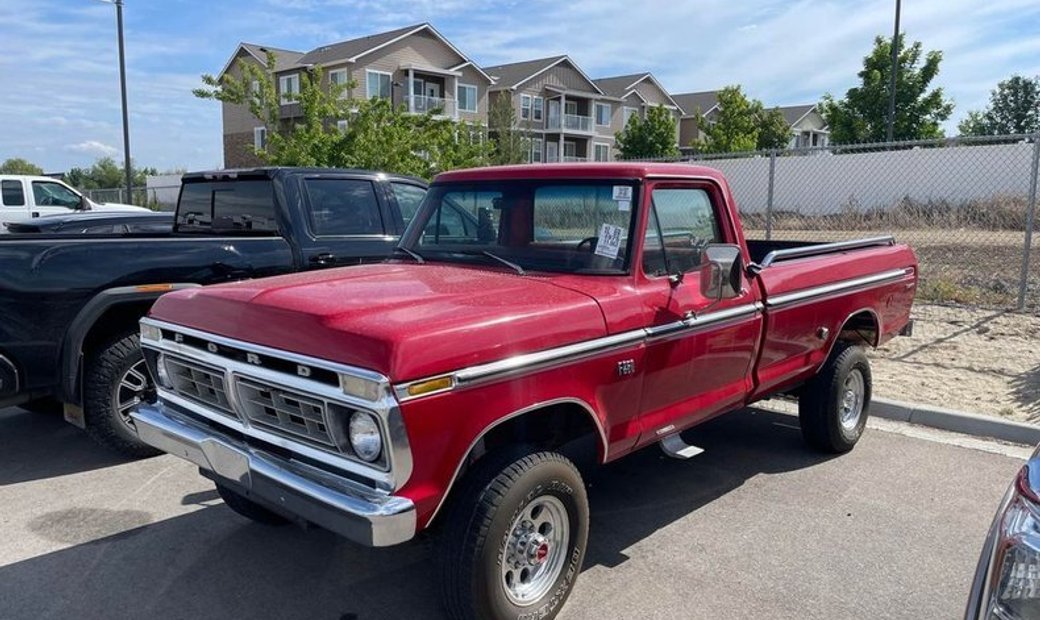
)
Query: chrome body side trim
[
  {"x": 825, "y": 248},
  {"x": 519, "y": 412},
  {"x": 566, "y": 354},
  {"x": 359, "y": 513},
  {"x": 399, "y": 455},
  {"x": 838, "y": 287}
]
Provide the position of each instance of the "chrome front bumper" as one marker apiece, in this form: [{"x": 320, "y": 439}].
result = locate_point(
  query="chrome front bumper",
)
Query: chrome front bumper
[{"x": 338, "y": 504}]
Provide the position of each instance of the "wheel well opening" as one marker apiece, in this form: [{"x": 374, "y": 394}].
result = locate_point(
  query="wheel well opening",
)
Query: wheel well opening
[
  {"x": 861, "y": 328},
  {"x": 566, "y": 428},
  {"x": 117, "y": 320}
]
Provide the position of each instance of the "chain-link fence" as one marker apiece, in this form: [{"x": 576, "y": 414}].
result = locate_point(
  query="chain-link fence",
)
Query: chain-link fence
[
  {"x": 160, "y": 198},
  {"x": 966, "y": 205}
]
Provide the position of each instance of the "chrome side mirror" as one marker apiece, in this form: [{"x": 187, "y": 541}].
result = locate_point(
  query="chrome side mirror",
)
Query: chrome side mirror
[{"x": 721, "y": 269}]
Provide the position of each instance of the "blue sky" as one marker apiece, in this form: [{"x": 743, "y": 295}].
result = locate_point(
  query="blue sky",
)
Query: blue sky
[{"x": 59, "y": 77}]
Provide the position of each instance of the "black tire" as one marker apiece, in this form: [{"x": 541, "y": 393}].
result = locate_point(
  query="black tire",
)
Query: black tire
[
  {"x": 248, "y": 508},
  {"x": 500, "y": 493},
  {"x": 106, "y": 367},
  {"x": 822, "y": 406}
]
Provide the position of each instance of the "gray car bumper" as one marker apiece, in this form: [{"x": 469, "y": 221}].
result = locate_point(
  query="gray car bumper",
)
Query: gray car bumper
[{"x": 335, "y": 503}]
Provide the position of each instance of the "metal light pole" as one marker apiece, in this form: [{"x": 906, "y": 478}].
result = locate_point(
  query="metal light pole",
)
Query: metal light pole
[
  {"x": 892, "y": 85},
  {"x": 122, "y": 88}
]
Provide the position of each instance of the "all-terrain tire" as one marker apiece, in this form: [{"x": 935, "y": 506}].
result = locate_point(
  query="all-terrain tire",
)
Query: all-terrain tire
[
  {"x": 834, "y": 405},
  {"x": 496, "y": 500},
  {"x": 248, "y": 508},
  {"x": 106, "y": 368}
]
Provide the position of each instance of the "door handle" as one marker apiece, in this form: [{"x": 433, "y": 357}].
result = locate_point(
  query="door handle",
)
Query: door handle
[{"x": 324, "y": 259}]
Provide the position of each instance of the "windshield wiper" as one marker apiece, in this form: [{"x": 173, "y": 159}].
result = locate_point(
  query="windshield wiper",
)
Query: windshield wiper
[
  {"x": 415, "y": 255},
  {"x": 508, "y": 263}
]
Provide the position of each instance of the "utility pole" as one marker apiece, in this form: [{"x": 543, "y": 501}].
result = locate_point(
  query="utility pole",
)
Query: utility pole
[
  {"x": 122, "y": 87},
  {"x": 892, "y": 85}
]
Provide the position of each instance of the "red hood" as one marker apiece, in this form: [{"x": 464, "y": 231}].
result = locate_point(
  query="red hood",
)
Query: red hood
[{"x": 406, "y": 321}]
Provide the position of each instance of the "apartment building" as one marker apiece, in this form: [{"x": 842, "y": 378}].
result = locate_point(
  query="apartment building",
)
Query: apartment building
[
  {"x": 637, "y": 93},
  {"x": 569, "y": 116},
  {"x": 413, "y": 66},
  {"x": 698, "y": 110},
  {"x": 808, "y": 127}
]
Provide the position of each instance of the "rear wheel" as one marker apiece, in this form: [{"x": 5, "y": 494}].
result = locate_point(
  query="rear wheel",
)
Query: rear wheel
[
  {"x": 115, "y": 381},
  {"x": 248, "y": 508},
  {"x": 514, "y": 538},
  {"x": 834, "y": 405}
]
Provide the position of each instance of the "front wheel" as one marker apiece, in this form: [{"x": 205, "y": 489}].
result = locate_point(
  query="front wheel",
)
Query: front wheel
[
  {"x": 515, "y": 538},
  {"x": 834, "y": 405},
  {"x": 115, "y": 381}
]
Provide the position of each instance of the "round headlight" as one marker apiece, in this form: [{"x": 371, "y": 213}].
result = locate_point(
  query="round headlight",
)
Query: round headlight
[{"x": 364, "y": 436}]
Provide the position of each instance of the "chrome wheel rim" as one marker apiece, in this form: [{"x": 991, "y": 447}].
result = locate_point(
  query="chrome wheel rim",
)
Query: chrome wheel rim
[
  {"x": 852, "y": 395},
  {"x": 536, "y": 550},
  {"x": 134, "y": 388}
]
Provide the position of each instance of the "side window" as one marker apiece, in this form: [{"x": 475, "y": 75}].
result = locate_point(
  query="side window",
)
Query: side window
[
  {"x": 243, "y": 206},
  {"x": 409, "y": 197},
  {"x": 683, "y": 222},
  {"x": 49, "y": 194},
  {"x": 343, "y": 207},
  {"x": 12, "y": 193}
]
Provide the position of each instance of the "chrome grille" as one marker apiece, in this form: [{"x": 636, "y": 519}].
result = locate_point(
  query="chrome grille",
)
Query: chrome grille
[
  {"x": 200, "y": 383},
  {"x": 285, "y": 411}
]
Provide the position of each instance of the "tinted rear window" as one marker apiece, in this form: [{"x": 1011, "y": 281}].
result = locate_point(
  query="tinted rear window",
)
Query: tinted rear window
[
  {"x": 13, "y": 195},
  {"x": 343, "y": 207},
  {"x": 239, "y": 206}
]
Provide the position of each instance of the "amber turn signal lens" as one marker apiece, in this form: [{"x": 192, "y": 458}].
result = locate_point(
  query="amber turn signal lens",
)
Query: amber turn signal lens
[{"x": 432, "y": 385}]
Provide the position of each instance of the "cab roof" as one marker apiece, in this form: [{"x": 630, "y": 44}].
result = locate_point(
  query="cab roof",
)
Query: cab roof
[{"x": 612, "y": 170}]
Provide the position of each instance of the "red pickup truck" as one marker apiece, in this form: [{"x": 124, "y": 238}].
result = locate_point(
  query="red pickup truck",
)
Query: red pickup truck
[{"x": 535, "y": 314}]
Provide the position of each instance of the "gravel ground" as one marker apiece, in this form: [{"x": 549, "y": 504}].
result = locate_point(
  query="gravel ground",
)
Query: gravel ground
[{"x": 981, "y": 361}]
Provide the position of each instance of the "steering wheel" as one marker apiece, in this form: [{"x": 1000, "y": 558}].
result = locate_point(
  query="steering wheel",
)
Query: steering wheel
[{"x": 592, "y": 241}]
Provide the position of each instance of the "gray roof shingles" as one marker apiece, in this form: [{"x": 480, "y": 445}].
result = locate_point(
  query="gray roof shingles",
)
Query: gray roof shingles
[
  {"x": 512, "y": 74},
  {"x": 352, "y": 47},
  {"x": 691, "y": 102},
  {"x": 617, "y": 86},
  {"x": 794, "y": 112}
]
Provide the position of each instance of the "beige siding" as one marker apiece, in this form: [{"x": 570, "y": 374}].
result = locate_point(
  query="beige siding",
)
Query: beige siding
[
  {"x": 652, "y": 94},
  {"x": 473, "y": 77},
  {"x": 562, "y": 75},
  {"x": 237, "y": 118},
  {"x": 812, "y": 121},
  {"x": 420, "y": 49}
]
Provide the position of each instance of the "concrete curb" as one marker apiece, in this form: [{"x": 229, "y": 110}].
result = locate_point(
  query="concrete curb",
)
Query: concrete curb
[{"x": 956, "y": 421}]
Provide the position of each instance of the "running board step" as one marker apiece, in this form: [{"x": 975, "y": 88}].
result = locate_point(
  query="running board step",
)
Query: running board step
[{"x": 674, "y": 446}]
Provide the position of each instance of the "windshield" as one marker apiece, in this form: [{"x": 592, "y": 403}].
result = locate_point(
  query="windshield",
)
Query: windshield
[{"x": 544, "y": 225}]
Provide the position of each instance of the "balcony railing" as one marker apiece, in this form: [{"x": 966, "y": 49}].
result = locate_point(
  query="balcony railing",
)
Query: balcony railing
[
  {"x": 572, "y": 158},
  {"x": 421, "y": 104},
  {"x": 565, "y": 158},
  {"x": 571, "y": 122}
]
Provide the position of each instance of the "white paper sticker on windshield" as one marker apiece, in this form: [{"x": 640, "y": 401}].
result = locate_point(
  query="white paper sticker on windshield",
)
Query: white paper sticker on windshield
[
  {"x": 624, "y": 205},
  {"x": 609, "y": 243},
  {"x": 623, "y": 192}
]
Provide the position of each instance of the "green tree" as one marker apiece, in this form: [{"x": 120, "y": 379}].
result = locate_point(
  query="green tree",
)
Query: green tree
[
  {"x": 736, "y": 125},
  {"x": 1014, "y": 107},
  {"x": 105, "y": 173},
  {"x": 378, "y": 135},
  {"x": 510, "y": 144},
  {"x": 862, "y": 115},
  {"x": 17, "y": 165},
  {"x": 649, "y": 138},
  {"x": 773, "y": 130}
]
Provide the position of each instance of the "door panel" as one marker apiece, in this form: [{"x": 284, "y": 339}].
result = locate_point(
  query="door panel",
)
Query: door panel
[
  {"x": 348, "y": 222},
  {"x": 696, "y": 365}
]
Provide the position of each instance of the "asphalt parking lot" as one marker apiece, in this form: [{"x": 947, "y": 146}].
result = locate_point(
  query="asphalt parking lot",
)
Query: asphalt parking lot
[{"x": 757, "y": 527}]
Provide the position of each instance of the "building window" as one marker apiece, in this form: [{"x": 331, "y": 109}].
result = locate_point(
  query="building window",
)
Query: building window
[
  {"x": 467, "y": 96},
  {"x": 378, "y": 84},
  {"x": 603, "y": 114},
  {"x": 627, "y": 113},
  {"x": 289, "y": 87},
  {"x": 525, "y": 107},
  {"x": 536, "y": 149},
  {"x": 338, "y": 78},
  {"x": 259, "y": 138},
  {"x": 341, "y": 126},
  {"x": 539, "y": 105},
  {"x": 254, "y": 88},
  {"x": 601, "y": 152}
]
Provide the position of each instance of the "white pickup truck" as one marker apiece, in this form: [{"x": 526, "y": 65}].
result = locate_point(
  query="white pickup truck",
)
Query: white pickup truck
[{"x": 24, "y": 197}]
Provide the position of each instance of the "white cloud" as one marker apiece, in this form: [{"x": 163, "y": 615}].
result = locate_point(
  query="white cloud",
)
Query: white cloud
[{"x": 93, "y": 147}]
